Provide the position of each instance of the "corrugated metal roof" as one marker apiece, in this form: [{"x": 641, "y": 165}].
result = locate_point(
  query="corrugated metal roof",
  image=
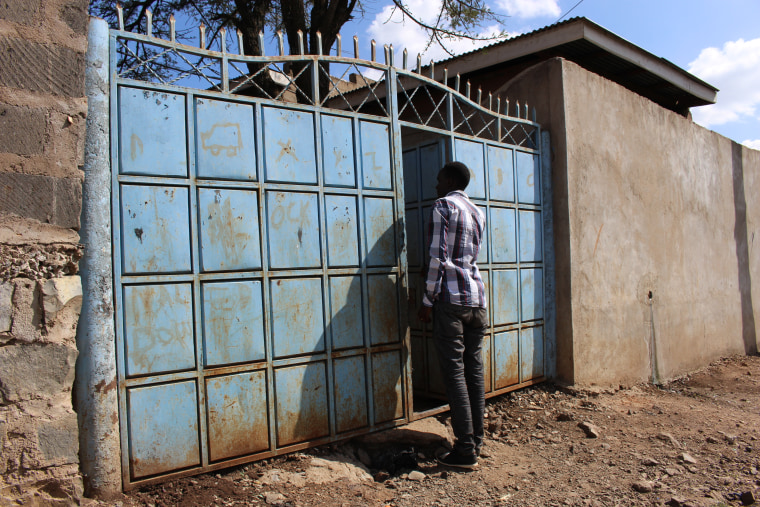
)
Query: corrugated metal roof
[{"x": 596, "y": 49}]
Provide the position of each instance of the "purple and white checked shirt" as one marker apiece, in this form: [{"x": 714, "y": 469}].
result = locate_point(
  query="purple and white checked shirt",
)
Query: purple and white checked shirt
[{"x": 454, "y": 236}]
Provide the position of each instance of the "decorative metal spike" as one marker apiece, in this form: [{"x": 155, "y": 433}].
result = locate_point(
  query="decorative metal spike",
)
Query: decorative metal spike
[
  {"x": 406, "y": 56},
  {"x": 173, "y": 28},
  {"x": 432, "y": 70},
  {"x": 419, "y": 63},
  {"x": 517, "y": 108},
  {"x": 300, "y": 42},
  {"x": 498, "y": 104},
  {"x": 446, "y": 76},
  {"x": 480, "y": 94},
  {"x": 280, "y": 43},
  {"x": 241, "y": 51},
  {"x": 393, "y": 56},
  {"x": 261, "y": 43},
  {"x": 149, "y": 18},
  {"x": 527, "y": 111},
  {"x": 120, "y": 13},
  {"x": 202, "y": 29},
  {"x": 490, "y": 101},
  {"x": 534, "y": 115},
  {"x": 456, "y": 83},
  {"x": 356, "y": 47},
  {"x": 340, "y": 45},
  {"x": 223, "y": 39},
  {"x": 467, "y": 93},
  {"x": 387, "y": 54},
  {"x": 506, "y": 107},
  {"x": 319, "y": 43},
  {"x": 372, "y": 45}
]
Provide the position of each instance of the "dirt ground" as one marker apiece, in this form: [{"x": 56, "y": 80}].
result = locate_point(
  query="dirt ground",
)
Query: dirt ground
[{"x": 693, "y": 441}]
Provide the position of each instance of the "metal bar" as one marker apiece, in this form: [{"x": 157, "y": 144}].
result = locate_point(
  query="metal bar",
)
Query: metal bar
[
  {"x": 406, "y": 55},
  {"x": 261, "y": 43},
  {"x": 356, "y": 47},
  {"x": 339, "y": 48},
  {"x": 241, "y": 50},
  {"x": 432, "y": 70},
  {"x": 300, "y": 42},
  {"x": 319, "y": 43},
  {"x": 149, "y": 22},
  {"x": 419, "y": 63},
  {"x": 387, "y": 54},
  {"x": 280, "y": 43},
  {"x": 550, "y": 289},
  {"x": 372, "y": 49},
  {"x": 173, "y": 28},
  {"x": 96, "y": 376},
  {"x": 120, "y": 14},
  {"x": 202, "y": 32}
]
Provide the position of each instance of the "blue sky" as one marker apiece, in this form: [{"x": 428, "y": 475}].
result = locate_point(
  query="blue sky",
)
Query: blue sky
[{"x": 717, "y": 41}]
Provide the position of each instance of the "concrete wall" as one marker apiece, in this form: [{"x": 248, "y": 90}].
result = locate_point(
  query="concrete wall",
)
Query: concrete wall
[
  {"x": 645, "y": 202},
  {"x": 42, "y": 127}
]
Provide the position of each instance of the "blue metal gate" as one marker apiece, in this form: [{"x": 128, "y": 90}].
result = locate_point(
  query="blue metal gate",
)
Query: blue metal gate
[{"x": 260, "y": 238}]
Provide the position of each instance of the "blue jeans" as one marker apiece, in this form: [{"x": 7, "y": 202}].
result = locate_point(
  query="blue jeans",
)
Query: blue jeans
[{"x": 458, "y": 333}]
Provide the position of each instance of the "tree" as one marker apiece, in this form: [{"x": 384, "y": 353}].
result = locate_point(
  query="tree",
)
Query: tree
[{"x": 456, "y": 18}]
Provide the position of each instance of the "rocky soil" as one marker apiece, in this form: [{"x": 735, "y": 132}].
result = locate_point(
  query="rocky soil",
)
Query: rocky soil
[{"x": 693, "y": 441}]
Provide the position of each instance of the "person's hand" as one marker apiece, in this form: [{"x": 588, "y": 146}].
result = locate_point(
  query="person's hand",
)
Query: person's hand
[{"x": 424, "y": 313}]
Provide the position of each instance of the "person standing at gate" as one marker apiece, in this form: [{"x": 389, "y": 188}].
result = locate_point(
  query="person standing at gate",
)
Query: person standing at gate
[{"x": 455, "y": 298}]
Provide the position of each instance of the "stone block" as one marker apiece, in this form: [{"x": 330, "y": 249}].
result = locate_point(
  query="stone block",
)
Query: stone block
[
  {"x": 61, "y": 305},
  {"x": 74, "y": 14},
  {"x": 59, "y": 440},
  {"x": 42, "y": 68},
  {"x": 6, "y": 306},
  {"x": 26, "y": 320},
  {"x": 57, "y": 201},
  {"x": 23, "y": 130},
  {"x": 18, "y": 11},
  {"x": 29, "y": 371}
]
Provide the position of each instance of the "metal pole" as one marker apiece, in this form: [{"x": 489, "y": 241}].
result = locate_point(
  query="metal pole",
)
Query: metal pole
[{"x": 96, "y": 384}]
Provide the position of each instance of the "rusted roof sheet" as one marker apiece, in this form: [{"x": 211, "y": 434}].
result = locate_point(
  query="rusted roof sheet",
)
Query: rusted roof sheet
[{"x": 596, "y": 49}]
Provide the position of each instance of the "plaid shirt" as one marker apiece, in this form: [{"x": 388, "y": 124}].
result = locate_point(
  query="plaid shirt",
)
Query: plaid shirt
[{"x": 454, "y": 236}]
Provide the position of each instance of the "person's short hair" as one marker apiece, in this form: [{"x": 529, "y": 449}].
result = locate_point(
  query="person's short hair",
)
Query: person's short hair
[{"x": 458, "y": 173}]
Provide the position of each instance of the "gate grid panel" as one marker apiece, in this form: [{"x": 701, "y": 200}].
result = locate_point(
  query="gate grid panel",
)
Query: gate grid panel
[{"x": 260, "y": 248}]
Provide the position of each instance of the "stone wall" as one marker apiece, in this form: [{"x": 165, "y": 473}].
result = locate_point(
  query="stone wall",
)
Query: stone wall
[
  {"x": 42, "y": 131},
  {"x": 655, "y": 224}
]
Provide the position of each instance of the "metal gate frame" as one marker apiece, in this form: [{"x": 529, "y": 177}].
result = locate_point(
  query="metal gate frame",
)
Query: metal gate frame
[{"x": 402, "y": 91}]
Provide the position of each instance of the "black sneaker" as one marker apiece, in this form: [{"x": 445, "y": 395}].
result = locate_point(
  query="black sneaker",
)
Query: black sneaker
[{"x": 454, "y": 459}]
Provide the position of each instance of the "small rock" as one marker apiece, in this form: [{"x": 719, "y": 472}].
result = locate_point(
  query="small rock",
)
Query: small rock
[
  {"x": 671, "y": 471},
  {"x": 643, "y": 486},
  {"x": 564, "y": 416},
  {"x": 688, "y": 458},
  {"x": 381, "y": 476},
  {"x": 667, "y": 437},
  {"x": 712, "y": 440},
  {"x": 484, "y": 453},
  {"x": 747, "y": 498},
  {"x": 676, "y": 501},
  {"x": 591, "y": 430},
  {"x": 273, "y": 498},
  {"x": 650, "y": 462},
  {"x": 416, "y": 475}
]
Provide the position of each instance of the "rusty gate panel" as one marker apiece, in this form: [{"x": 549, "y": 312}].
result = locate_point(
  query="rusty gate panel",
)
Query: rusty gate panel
[
  {"x": 505, "y": 184},
  {"x": 260, "y": 239}
]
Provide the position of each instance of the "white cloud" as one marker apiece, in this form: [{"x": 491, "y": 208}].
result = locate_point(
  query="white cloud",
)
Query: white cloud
[
  {"x": 392, "y": 27},
  {"x": 735, "y": 71},
  {"x": 530, "y": 8},
  {"x": 754, "y": 144}
]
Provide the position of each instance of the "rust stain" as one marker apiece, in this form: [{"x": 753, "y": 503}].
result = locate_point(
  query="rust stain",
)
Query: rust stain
[
  {"x": 103, "y": 388},
  {"x": 135, "y": 147},
  {"x": 499, "y": 176},
  {"x": 529, "y": 180},
  {"x": 139, "y": 234},
  {"x": 219, "y": 143},
  {"x": 114, "y": 417},
  {"x": 598, "y": 235},
  {"x": 225, "y": 228},
  {"x": 287, "y": 149}
]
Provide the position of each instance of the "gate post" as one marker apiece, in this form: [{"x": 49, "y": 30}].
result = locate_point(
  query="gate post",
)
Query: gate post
[{"x": 96, "y": 384}]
